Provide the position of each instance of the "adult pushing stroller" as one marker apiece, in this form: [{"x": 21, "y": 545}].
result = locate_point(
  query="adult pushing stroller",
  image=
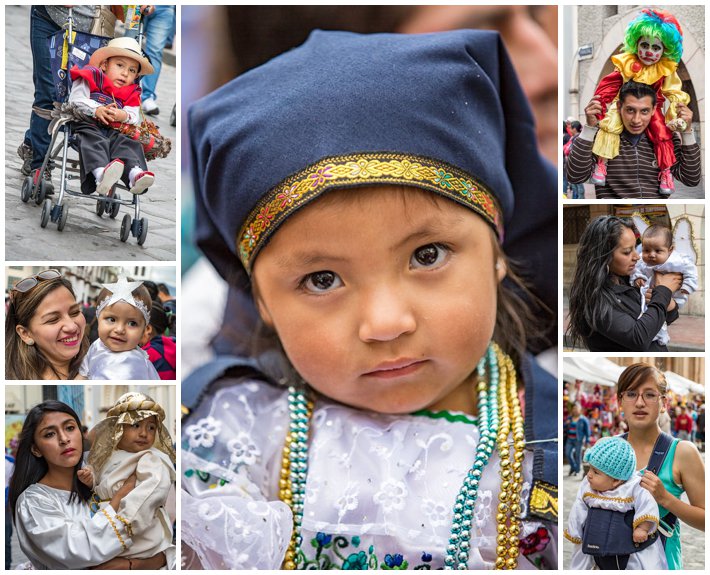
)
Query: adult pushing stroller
[{"x": 67, "y": 49}]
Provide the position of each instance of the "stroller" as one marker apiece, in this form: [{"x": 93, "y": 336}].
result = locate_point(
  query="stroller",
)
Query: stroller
[{"x": 69, "y": 48}]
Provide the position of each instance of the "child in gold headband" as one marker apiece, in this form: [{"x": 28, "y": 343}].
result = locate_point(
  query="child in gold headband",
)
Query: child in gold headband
[
  {"x": 358, "y": 193},
  {"x": 133, "y": 440}
]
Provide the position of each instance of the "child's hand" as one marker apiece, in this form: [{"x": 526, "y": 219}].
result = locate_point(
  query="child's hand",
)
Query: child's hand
[
  {"x": 640, "y": 282},
  {"x": 103, "y": 115},
  {"x": 86, "y": 477},
  {"x": 592, "y": 111},
  {"x": 640, "y": 535}
]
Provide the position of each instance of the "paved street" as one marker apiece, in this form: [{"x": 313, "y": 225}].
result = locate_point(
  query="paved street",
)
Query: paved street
[
  {"x": 86, "y": 236},
  {"x": 692, "y": 540}
]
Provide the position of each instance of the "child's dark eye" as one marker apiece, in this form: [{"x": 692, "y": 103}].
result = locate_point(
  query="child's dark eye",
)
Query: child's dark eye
[
  {"x": 428, "y": 256},
  {"x": 319, "y": 282}
]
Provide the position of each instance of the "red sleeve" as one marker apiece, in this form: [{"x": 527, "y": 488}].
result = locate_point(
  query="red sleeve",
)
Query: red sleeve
[{"x": 608, "y": 88}]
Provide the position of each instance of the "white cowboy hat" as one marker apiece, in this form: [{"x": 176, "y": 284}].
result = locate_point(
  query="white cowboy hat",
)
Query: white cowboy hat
[{"x": 126, "y": 47}]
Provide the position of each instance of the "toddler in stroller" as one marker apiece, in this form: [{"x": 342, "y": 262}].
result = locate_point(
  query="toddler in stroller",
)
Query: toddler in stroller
[{"x": 107, "y": 91}]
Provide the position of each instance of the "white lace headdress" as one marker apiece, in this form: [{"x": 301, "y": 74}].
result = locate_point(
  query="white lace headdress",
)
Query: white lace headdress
[{"x": 122, "y": 290}]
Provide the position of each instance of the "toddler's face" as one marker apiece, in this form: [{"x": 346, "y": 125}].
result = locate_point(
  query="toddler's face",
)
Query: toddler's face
[
  {"x": 383, "y": 298},
  {"x": 121, "y": 71},
  {"x": 121, "y": 326},
  {"x": 601, "y": 481},
  {"x": 649, "y": 50},
  {"x": 655, "y": 251},
  {"x": 138, "y": 436}
]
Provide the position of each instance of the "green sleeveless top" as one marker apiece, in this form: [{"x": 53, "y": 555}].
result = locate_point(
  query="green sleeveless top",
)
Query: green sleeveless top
[{"x": 665, "y": 474}]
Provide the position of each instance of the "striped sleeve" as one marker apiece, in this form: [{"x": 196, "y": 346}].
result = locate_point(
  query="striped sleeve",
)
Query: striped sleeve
[{"x": 687, "y": 166}]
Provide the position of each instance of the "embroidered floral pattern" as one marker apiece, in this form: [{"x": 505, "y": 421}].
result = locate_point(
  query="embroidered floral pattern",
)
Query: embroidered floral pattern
[
  {"x": 437, "y": 513},
  {"x": 348, "y": 500},
  {"x": 391, "y": 495},
  {"x": 535, "y": 542},
  {"x": 203, "y": 433},
  {"x": 243, "y": 450},
  {"x": 381, "y": 168},
  {"x": 340, "y": 552}
]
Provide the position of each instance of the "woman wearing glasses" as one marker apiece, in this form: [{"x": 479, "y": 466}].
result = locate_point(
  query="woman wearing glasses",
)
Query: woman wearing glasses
[
  {"x": 44, "y": 329},
  {"x": 604, "y": 309},
  {"x": 641, "y": 393}
]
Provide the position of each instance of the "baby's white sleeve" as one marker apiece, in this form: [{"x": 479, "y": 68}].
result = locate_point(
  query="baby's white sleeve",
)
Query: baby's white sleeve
[
  {"x": 645, "y": 508},
  {"x": 80, "y": 95},
  {"x": 577, "y": 515},
  {"x": 134, "y": 115},
  {"x": 153, "y": 480},
  {"x": 690, "y": 276},
  {"x": 641, "y": 271}
]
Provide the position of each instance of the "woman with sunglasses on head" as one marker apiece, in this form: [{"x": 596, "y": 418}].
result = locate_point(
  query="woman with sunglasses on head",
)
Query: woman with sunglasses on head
[
  {"x": 44, "y": 329},
  {"x": 60, "y": 524},
  {"x": 642, "y": 398}
]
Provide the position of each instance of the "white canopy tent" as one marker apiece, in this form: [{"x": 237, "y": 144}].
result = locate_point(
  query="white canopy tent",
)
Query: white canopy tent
[
  {"x": 602, "y": 371},
  {"x": 682, "y": 385},
  {"x": 597, "y": 370}
]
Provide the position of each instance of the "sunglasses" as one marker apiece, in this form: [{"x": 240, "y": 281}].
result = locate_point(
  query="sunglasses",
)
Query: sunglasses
[{"x": 26, "y": 284}]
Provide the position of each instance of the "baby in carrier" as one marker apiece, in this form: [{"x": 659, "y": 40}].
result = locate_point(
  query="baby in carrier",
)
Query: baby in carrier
[{"x": 614, "y": 521}]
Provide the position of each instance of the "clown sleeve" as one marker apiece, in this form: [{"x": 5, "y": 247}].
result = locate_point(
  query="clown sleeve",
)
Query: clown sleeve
[{"x": 672, "y": 90}]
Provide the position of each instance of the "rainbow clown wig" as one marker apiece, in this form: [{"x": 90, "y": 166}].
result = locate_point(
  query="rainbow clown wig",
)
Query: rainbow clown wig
[{"x": 656, "y": 23}]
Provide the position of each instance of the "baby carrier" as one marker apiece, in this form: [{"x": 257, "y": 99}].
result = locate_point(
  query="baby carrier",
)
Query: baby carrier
[{"x": 608, "y": 535}]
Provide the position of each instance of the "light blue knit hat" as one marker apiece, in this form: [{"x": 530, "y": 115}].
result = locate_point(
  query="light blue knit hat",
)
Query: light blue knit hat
[{"x": 613, "y": 456}]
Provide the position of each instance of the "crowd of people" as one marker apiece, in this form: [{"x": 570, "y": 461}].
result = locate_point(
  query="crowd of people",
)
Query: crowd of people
[{"x": 592, "y": 412}]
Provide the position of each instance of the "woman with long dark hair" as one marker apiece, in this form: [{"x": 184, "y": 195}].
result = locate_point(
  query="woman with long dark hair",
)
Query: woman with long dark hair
[
  {"x": 604, "y": 309},
  {"x": 44, "y": 329},
  {"x": 641, "y": 393},
  {"x": 59, "y": 524}
]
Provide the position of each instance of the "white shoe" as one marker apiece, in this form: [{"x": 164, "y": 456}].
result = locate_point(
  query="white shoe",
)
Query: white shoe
[
  {"x": 142, "y": 182},
  {"x": 112, "y": 173},
  {"x": 150, "y": 107}
]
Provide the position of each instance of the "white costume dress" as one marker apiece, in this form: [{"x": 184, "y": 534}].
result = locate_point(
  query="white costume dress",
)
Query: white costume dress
[
  {"x": 629, "y": 495},
  {"x": 56, "y": 534},
  {"x": 151, "y": 526},
  {"x": 677, "y": 263},
  {"x": 379, "y": 491},
  {"x": 102, "y": 363}
]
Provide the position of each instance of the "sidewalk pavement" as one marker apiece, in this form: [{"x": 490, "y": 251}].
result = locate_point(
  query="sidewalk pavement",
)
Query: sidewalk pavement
[
  {"x": 86, "y": 236},
  {"x": 692, "y": 541}
]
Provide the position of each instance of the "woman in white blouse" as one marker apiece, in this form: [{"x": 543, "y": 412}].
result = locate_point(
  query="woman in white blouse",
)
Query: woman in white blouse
[{"x": 59, "y": 524}]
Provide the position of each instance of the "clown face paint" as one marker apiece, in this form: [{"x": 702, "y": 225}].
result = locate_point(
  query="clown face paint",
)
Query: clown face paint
[{"x": 649, "y": 50}]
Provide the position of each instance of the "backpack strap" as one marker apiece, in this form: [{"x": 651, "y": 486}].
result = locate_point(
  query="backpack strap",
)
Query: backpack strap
[{"x": 655, "y": 462}]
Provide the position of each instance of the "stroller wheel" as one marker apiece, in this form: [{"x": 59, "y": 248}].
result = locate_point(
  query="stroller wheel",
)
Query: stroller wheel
[
  {"x": 63, "y": 214},
  {"x": 46, "y": 211},
  {"x": 114, "y": 207},
  {"x": 26, "y": 191},
  {"x": 46, "y": 189},
  {"x": 41, "y": 194},
  {"x": 100, "y": 207},
  {"x": 142, "y": 231},
  {"x": 125, "y": 227},
  {"x": 173, "y": 117}
]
